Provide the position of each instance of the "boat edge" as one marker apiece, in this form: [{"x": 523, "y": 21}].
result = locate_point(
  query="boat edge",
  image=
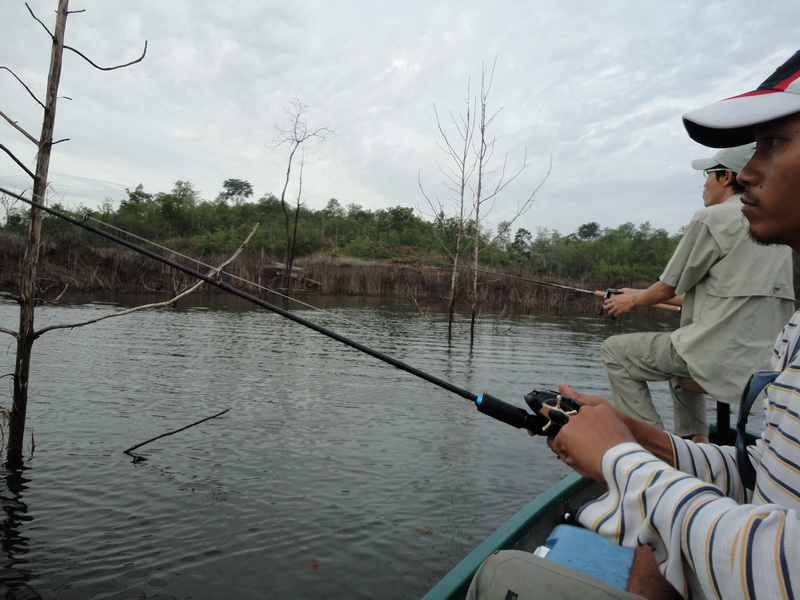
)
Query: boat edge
[{"x": 459, "y": 578}]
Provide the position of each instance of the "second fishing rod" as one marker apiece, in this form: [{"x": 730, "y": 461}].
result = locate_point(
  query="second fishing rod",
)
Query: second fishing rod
[
  {"x": 551, "y": 410},
  {"x": 598, "y": 293}
]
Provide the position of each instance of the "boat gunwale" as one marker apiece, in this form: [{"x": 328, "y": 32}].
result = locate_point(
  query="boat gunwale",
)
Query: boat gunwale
[{"x": 455, "y": 583}]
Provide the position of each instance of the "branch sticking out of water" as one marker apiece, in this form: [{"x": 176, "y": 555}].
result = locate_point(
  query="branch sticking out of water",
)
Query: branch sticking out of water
[{"x": 158, "y": 437}]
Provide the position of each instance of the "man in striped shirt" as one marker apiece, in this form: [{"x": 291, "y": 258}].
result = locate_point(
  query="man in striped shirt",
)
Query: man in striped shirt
[{"x": 684, "y": 505}]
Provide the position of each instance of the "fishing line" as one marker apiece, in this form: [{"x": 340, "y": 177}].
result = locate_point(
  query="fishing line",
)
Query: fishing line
[
  {"x": 229, "y": 274},
  {"x": 550, "y": 412},
  {"x": 600, "y": 294},
  {"x": 469, "y": 268},
  {"x": 463, "y": 266},
  {"x": 508, "y": 276}
]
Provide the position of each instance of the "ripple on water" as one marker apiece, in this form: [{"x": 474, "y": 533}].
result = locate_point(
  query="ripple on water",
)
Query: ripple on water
[{"x": 332, "y": 475}]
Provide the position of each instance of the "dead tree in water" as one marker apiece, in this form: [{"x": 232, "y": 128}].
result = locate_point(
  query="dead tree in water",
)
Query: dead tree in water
[
  {"x": 469, "y": 154},
  {"x": 26, "y": 334},
  {"x": 457, "y": 176},
  {"x": 484, "y": 149},
  {"x": 294, "y": 134}
]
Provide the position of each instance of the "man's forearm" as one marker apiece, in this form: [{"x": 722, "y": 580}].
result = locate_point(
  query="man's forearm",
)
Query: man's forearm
[
  {"x": 656, "y": 293},
  {"x": 655, "y": 441}
]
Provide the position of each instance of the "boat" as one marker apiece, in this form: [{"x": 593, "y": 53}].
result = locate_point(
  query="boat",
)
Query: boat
[
  {"x": 528, "y": 529},
  {"x": 531, "y": 526}
]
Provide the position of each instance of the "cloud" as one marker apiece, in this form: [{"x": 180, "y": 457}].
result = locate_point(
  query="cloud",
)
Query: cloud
[{"x": 599, "y": 89}]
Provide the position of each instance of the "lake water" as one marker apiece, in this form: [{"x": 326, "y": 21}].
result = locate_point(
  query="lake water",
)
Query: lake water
[{"x": 333, "y": 475}]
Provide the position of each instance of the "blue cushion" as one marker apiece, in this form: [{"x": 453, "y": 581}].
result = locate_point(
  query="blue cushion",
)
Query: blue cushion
[{"x": 590, "y": 553}]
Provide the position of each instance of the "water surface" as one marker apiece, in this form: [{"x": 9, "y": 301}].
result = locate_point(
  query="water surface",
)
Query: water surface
[{"x": 332, "y": 475}]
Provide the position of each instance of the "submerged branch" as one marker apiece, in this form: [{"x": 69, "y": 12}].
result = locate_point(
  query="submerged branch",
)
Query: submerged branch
[
  {"x": 10, "y": 296},
  {"x": 158, "y": 437}
]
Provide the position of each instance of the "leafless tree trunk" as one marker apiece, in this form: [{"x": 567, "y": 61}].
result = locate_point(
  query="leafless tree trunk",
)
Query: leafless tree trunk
[
  {"x": 8, "y": 203},
  {"x": 298, "y": 204},
  {"x": 30, "y": 260},
  {"x": 457, "y": 177},
  {"x": 26, "y": 334},
  {"x": 294, "y": 134},
  {"x": 467, "y": 176},
  {"x": 484, "y": 150}
]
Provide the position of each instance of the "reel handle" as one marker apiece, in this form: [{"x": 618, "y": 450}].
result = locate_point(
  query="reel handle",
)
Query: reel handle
[{"x": 551, "y": 411}]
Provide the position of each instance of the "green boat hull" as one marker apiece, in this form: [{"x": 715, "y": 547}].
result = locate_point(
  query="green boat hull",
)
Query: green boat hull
[
  {"x": 530, "y": 527},
  {"x": 526, "y": 530}
]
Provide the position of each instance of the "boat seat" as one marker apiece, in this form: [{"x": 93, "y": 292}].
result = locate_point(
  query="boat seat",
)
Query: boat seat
[{"x": 590, "y": 553}]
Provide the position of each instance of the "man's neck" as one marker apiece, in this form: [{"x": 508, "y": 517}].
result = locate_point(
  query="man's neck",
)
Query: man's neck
[{"x": 725, "y": 198}]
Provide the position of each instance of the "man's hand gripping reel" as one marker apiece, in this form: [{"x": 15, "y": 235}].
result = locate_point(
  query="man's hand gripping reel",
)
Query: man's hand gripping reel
[
  {"x": 609, "y": 293},
  {"x": 551, "y": 411}
]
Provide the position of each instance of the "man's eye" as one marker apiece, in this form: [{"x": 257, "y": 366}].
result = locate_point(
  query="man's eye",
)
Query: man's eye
[{"x": 765, "y": 143}]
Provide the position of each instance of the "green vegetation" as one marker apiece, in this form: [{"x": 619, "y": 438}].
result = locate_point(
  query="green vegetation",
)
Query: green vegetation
[{"x": 623, "y": 256}]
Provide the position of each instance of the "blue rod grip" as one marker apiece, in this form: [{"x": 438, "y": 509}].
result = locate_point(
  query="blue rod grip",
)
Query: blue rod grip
[{"x": 505, "y": 412}]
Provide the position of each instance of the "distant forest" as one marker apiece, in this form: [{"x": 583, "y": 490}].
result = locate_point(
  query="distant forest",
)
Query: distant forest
[{"x": 625, "y": 256}]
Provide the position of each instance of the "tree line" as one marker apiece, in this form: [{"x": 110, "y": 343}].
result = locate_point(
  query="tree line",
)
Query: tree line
[{"x": 180, "y": 219}]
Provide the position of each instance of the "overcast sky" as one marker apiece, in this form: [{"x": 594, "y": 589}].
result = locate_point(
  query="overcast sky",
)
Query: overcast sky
[{"x": 596, "y": 87}]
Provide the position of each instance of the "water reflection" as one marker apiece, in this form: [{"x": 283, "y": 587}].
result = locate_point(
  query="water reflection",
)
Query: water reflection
[{"x": 14, "y": 571}]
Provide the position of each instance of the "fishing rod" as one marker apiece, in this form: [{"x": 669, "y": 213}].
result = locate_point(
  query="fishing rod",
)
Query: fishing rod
[
  {"x": 227, "y": 273},
  {"x": 603, "y": 294},
  {"x": 551, "y": 410},
  {"x": 600, "y": 294}
]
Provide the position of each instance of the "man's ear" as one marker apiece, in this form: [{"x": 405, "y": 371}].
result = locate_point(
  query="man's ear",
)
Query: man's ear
[{"x": 727, "y": 178}]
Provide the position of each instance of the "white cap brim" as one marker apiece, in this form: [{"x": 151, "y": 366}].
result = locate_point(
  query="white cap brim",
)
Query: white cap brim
[
  {"x": 701, "y": 164},
  {"x": 734, "y": 159},
  {"x": 730, "y": 122}
]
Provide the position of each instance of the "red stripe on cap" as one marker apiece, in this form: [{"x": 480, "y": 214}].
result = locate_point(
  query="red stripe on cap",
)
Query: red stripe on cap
[
  {"x": 755, "y": 93},
  {"x": 787, "y": 82}
]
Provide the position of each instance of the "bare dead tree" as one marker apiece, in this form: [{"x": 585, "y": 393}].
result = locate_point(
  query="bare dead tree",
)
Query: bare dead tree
[
  {"x": 457, "y": 173},
  {"x": 26, "y": 334},
  {"x": 297, "y": 206},
  {"x": 484, "y": 151},
  {"x": 294, "y": 134},
  {"x": 468, "y": 176}
]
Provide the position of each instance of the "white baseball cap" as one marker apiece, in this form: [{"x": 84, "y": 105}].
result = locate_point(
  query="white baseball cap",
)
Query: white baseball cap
[
  {"x": 730, "y": 122},
  {"x": 733, "y": 159}
]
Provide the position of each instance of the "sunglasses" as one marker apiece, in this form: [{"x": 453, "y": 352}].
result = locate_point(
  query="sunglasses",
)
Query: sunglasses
[{"x": 707, "y": 171}]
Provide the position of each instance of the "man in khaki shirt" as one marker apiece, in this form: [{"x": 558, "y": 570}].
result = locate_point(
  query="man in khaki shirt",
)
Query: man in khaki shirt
[{"x": 734, "y": 295}]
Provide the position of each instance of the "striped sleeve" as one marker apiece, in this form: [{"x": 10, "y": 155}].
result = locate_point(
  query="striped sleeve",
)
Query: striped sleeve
[
  {"x": 711, "y": 464},
  {"x": 707, "y": 544}
]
